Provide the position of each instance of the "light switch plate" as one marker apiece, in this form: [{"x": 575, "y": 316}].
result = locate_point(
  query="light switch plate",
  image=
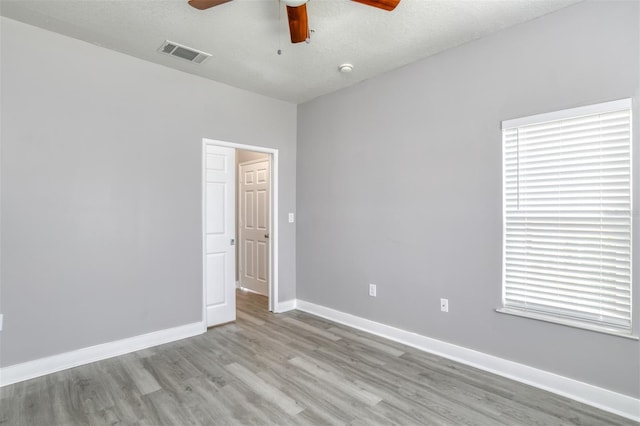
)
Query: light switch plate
[
  {"x": 291, "y": 218},
  {"x": 1, "y": 317}
]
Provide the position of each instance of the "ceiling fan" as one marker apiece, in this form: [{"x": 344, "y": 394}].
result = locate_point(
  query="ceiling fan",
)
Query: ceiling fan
[{"x": 297, "y": 13}]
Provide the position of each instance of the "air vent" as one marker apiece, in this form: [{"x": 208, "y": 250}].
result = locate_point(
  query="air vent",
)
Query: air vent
[{"x": 183, "y": 52}]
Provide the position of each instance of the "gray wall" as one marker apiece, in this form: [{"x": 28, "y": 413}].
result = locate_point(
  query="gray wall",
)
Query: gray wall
[
  {"x": 101, "y": 192},
  {"x": 399, "y": 184}
]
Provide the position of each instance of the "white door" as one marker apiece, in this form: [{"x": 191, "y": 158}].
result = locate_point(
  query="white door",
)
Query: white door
[
  {"x": 219, "y": 228},
  {"x": 254, "y": 226}
]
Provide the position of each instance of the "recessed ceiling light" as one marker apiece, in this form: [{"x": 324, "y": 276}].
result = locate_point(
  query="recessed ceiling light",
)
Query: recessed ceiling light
[{"x": 345, "y": 68}]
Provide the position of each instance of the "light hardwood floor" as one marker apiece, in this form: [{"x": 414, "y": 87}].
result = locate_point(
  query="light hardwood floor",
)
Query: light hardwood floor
[{"x": 287, "y": 369}]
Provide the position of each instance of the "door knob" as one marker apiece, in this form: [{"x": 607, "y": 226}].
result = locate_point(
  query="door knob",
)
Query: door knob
[{"x": 266, "y": 235}]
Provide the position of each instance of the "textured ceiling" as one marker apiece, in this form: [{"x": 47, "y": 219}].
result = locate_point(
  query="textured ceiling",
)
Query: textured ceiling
[{"x": 244, "y": 35}]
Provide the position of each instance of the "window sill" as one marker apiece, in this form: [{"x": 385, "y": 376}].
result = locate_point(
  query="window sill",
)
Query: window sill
[{"x": 567, "y": 322}]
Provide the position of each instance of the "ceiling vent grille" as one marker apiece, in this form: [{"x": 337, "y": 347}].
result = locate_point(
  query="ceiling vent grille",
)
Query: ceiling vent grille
[{"x": 183, "y": 52}]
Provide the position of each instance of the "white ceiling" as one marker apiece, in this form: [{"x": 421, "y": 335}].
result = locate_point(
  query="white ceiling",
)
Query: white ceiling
[{"x": 244, "y": 35}]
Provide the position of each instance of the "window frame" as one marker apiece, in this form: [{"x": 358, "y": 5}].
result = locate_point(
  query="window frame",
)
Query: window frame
[{"x": 550, "y": 317}]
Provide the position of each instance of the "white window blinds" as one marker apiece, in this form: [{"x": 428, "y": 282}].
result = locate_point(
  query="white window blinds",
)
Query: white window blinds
[{"x": 567, "y": 215}]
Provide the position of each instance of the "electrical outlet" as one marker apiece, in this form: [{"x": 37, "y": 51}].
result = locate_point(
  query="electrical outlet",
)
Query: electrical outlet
[
  {"x": 372, "y": 290},
  {"x": 1, "y": 318},
  {"x": 444, "y": 305},
  {"x": 292, "y": 218}
]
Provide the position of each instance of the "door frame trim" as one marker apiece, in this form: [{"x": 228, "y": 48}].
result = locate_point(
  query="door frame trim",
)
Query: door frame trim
[{"x": 273, "y": 249}]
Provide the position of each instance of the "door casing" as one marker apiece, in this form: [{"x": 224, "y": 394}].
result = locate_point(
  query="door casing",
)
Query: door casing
[{"x": 273, "y": 240}]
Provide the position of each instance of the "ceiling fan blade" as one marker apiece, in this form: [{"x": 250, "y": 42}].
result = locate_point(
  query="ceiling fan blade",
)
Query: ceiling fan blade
[
  {"x": 381, "y": 4},
  {"x": 298, "y": 23},
  {"x": 206, "y": 4}
]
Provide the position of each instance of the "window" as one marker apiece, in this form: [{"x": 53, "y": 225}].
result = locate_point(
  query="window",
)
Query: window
[{"x": 567, "y": 216}]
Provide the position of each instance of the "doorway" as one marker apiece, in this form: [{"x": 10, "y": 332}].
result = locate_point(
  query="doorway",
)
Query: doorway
[{"x": 221, "y": 208}]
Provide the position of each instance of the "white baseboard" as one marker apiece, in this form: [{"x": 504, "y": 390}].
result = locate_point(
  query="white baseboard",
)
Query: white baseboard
[
  {"x": 622, "y": 405},
  {"x": 40, "y": 367},
  {"x": 287, "y": 305}
]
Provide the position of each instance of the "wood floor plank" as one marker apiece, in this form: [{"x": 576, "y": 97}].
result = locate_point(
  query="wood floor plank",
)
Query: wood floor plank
[
  {"x": 311, "y": 329},
  {"x": 242, "y": 315},
  {"x": 208, "y": 365},
  {"x": 204, "y": 397},
  {"x": 426, "y": 397},
  {"x": 333, "y": 407},
  {"x": 251, "y": 407},
  {"x": 143, "y": 379},
  {"x": 348, "y": 387},
  {"x": 67, "y": 404},
  {"x": 286, "y": 369},
  {"x": 268, "y": 392},
  {"x": 168, "y": 409},
  {"x": 36, "y": 406},
  {"x": 9, "y": 411},
  {"x": 128, "y": 404},
  {"x": 366, "y": 341}
]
